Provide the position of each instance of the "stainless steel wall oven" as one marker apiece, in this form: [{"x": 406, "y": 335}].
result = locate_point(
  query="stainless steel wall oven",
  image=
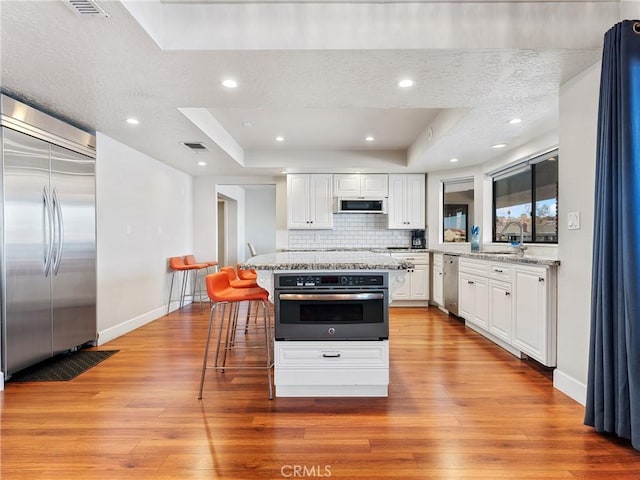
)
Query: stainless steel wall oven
[{"x": 331, "y": 306}]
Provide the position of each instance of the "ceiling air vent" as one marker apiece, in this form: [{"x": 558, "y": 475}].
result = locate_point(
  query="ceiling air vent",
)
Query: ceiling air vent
[
  {"x": 195, "y": 146},
  {"x": 87, "y": 7}
]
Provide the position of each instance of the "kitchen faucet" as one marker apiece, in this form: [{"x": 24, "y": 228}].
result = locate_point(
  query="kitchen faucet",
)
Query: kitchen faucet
[{"x": 521, "y": 246}]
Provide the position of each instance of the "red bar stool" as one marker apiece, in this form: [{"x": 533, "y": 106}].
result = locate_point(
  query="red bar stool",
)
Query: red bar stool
[
  {"x": 177, "y": 265},
  {"x": 223, "y": 294}
]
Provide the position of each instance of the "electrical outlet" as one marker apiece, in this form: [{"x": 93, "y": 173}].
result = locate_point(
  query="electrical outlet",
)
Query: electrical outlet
[{"x": 573, "y": 220}]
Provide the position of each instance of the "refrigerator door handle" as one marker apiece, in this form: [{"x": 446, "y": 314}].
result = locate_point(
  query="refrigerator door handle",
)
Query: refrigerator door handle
[
  {"x": 60, "y": 231},
  {"x": 48, "y": 251}
]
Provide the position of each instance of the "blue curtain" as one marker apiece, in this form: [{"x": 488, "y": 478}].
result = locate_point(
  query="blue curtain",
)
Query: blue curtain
[{"x": 613, "y": 388}]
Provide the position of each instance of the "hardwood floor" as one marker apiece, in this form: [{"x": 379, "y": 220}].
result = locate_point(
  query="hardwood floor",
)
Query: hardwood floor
[{"x": 458, "y": 408}]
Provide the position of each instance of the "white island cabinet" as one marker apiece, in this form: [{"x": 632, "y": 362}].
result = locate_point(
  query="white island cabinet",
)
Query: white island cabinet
[{"x": 325, "y": 368}]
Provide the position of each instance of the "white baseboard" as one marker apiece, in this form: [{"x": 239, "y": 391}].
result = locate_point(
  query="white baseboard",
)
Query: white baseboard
[
  {"x": 570, "y": 386},
  {"x": 127, "y": 326},
  {"x": 2, "y": 382}
]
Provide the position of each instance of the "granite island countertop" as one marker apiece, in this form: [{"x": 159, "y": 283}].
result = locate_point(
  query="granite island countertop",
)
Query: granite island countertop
[{"x": 326, "y": 260}]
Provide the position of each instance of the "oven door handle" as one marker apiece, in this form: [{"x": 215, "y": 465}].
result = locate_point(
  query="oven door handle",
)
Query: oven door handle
[{"x": 331, "y": 296}]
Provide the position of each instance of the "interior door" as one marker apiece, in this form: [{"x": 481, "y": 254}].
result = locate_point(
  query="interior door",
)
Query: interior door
[
  {"x": 27, "y": 238},
  {"x": 74, "y": 249}
]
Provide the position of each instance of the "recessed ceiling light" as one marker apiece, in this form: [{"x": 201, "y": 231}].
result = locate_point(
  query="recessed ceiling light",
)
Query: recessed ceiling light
[
  {"x": 202, "y": 164},
  {"x": 515, "y": 121},
  {"x": 229, "y": 83},
  {"x": 405, "y": 83},
  {"x": 247, "y": 124},
  {"x": 279, "y": 139},
  {"x": 453, "y": 160},
  {"x": 133, "y": 121},
  {"x": 369, "y": 138},
  {"x": 499, "y": 145}
]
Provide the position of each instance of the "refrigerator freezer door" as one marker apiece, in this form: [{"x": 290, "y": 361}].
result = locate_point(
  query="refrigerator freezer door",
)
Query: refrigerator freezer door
[
  {"x": 27, "y": 233},
  {"x": 74, "y": 251}
]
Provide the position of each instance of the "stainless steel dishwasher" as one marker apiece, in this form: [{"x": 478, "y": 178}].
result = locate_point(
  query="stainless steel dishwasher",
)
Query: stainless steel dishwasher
[{"x": 450, "y": 283}]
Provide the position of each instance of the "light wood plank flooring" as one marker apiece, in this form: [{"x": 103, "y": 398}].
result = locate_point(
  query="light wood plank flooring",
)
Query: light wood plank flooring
[{"x": 459, "y": 408}]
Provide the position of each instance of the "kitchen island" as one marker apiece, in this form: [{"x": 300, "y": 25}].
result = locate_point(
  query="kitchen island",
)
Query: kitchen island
[
  {"x": 325, "y": 261},
  {"x": 331, "y": 320}
]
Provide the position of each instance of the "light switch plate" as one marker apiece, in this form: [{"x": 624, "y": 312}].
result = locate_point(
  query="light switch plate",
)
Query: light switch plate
[{"x": 573, "y": 220}]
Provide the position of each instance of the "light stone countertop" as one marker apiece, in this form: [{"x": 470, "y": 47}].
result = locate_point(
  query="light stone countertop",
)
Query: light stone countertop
[
  {"x": 507, "y": 257},
  {"x": 326, "y": 260}
]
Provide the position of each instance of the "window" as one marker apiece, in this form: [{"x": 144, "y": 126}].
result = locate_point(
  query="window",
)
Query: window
[
  {"x": 527, "y": 195},
  {"x": 457, "y": 210}
]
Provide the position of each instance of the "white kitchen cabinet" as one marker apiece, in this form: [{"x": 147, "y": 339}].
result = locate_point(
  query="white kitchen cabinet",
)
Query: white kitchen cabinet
[
  {"x": 373, "y": 185},
  {"x": 437, "y": 281},
  {"x": 520, "y": 305},
  {"x": 326, "y": 368},
  {"x": 406, "y": 203},
  {"x": 415, "y": 289},
  {"x": 534, "y": 331},
  {"x": 500, "y": 301},
  {"x": 473, "y": 299},
  {"x": 309, "y": 201}
]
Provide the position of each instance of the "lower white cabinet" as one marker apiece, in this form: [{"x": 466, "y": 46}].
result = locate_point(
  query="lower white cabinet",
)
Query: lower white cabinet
[
  {"x": 473, "y": 299},
  {"x": 534, "y": 330},
  {"x": 415, "y": 289},
  {"x": 331, "y": 369},
  {"x": 512, "y": 304},
  {"x": 437, "y": 281},
  {"x": 500, "y": 300}
]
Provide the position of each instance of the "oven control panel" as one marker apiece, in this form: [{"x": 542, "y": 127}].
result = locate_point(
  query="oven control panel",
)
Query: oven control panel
[{"x": 336, "y": 281}]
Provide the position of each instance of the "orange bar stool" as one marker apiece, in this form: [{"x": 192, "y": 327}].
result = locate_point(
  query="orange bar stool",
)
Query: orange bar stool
[
  {"x": 191, "y": 259},
  {"x": 200, "y": 269},
  {"x": 246, "y": 274},
  {"x": 223, "y": 294},
  {"x": 235, "y": 282},
  {"x": 177, "y": 266}
]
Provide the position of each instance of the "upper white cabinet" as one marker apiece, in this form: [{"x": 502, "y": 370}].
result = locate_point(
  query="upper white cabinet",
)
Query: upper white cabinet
[
  {"x": 361, "y": 185},
  {"x": 309, "y": 201},
  {"x": 406, "y": 201}
]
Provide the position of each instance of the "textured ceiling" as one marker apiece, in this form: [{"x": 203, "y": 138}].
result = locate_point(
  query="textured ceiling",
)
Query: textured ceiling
[{"x": 324, "y": 96}]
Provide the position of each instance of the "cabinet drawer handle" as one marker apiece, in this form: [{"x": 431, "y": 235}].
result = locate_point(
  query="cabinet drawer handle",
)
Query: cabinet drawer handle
[
  {"x": 470, "y": 282},
  {"x": 497, "y": 270},
  {"x": 331, "y": 355},
  {"x": 540, "y": 279},
  {"x": 507, "y": 293}
]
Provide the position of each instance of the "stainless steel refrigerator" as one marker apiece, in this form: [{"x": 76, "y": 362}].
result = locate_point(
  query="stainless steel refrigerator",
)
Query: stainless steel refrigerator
[{"x": 48, "y": 244}]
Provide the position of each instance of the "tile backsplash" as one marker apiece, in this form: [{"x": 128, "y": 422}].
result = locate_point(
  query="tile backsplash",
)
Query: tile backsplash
[{"x": 354, "y": 230}]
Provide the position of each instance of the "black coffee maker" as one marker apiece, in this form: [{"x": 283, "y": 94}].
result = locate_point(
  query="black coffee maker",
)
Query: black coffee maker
[{"x": 418, "y": 239}]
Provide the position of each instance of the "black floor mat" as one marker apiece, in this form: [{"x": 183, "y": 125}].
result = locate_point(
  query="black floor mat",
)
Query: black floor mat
[{"x": 62, "y": 367}]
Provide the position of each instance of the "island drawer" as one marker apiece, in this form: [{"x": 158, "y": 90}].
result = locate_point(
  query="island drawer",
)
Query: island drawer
[{"x": 328, "y": 354}]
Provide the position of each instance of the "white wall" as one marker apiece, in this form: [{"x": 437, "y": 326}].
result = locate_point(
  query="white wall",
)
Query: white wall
[
  {"x": 144, "y": 216},
  {"x": 205, "y": 196},
  {"x": 483, "y": 200},
  {"x": 260, "y": 214},
  {"x": 578, "y": 133}
]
